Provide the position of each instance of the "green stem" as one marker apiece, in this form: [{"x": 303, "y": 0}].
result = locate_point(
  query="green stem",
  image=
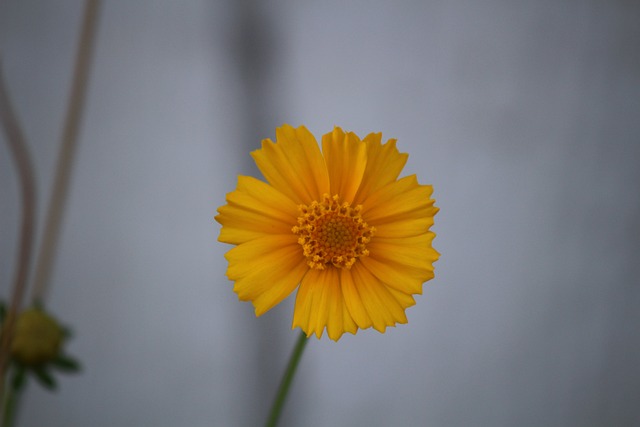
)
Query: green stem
[
  {"x": 276, "y": 409},
  {"x": 10, "y": 404}
]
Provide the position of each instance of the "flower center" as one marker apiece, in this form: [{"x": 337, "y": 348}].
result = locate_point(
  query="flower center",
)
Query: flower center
[{"x": 332, "y": 233}]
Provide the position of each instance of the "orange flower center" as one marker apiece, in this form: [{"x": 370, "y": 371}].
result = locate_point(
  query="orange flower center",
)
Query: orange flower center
[{"x": 332, "y": 233}]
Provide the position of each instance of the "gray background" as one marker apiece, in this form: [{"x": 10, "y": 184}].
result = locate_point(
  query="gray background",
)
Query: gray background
[{"x": 525, "y": 116}]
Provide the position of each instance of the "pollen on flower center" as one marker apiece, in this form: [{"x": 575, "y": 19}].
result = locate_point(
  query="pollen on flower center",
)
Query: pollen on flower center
[{"x": 333, "y": 233}]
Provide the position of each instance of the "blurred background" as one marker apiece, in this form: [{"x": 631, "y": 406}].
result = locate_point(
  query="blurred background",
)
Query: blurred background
[{"x": 525, "y": 116}]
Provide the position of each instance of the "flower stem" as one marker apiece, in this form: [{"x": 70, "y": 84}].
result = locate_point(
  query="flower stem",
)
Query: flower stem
[
  {"x": 68, "y": 144},
  {"x": 20, "y": 151},
  {"x": 9, "y": 407},
  {"x": 287, "y": 378}
]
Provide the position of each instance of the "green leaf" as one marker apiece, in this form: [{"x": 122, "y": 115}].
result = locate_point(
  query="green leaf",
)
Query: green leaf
[
  {"x": 45, "y": 378},
  {"x": 19, "y": 378},
  {"x": 66, "y": 332},
  {"x": 3, "y": 311},
  {"x": 66, "y": 363}
]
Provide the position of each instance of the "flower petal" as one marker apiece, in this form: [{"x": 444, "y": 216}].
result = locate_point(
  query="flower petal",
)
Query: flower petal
[
  {"x": 404, "y": 264},
  {"x": 405, "y": 228},
  {"x": 353, "y": 301},
  {"x": 294, "y": 164},
  {"x": 406, "y": 279},
  {"x": 384, "y": 164},
  {"x": 254, "y": 209},
  {"x": 266, "y": 270},
  {"x": 416, "y": 251},
  {"x": 381, "y": 306},
  {"x": 346, "y": 159},
  {"x": 319, "y": 304},
  {"x": 405, "y": 300},
  {"x": 402, "y": 200},
  {"x": 356, "y": 304}
]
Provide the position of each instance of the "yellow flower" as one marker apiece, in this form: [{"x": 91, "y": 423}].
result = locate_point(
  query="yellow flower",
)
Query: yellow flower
[{"x": 338, "y": 225}]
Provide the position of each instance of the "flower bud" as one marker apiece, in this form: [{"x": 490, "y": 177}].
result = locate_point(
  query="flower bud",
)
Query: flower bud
[{"x": 37, "y": 338}]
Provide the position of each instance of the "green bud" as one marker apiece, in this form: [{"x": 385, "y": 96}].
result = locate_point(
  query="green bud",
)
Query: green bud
[{"x": 37, "y": 338}]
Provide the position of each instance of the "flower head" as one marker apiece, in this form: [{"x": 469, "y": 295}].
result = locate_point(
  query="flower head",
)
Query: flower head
[
  {"x": 338, "y": 225},
  {"x": 37, "y": 338},
  {"x": 37, "y": 341}
]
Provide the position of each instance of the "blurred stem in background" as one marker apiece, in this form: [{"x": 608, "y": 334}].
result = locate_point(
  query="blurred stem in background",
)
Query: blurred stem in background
[
  {"x": 287, "y": 378},
  {"x": 19, "y": 150},
  {"x": 68, "y": 143}
]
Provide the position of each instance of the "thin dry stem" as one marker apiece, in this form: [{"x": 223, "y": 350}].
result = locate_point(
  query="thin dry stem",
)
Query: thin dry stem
[
  {"x": 66, "y": 156},
  {"x": 20, "y": 153}
]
